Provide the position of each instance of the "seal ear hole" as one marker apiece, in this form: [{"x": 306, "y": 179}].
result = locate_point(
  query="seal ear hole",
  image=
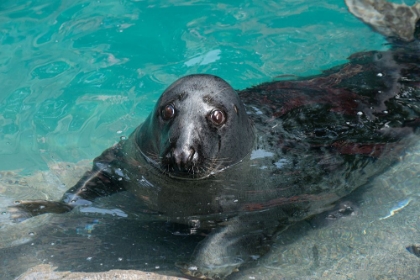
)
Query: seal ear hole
[
  {"x": 235, "y": 108},
  {"x": 182, "y": 96}
]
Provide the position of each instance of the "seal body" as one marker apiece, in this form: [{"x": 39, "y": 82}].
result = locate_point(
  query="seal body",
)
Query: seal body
[
  {"x": 280, "y": 152},
  {"x": 301, "y": 145}
]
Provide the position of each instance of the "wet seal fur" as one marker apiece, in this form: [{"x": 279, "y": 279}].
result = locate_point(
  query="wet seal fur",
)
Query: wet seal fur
[{"x": 242, "y": 166}]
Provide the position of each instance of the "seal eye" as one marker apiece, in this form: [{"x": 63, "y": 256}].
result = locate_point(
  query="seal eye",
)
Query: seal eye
[
  {"x": 217, "y": 117},
  {"x": 168, "y": 112}
]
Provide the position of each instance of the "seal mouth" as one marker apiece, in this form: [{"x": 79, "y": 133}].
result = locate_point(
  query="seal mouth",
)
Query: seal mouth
[
  {"x": 190, "y": 174},
  {"x": 180, "y": 170},
  {"x": 186, "y": 162},
  {"x": 209, "y": 168},
  {"x": 168, "y": 166}
]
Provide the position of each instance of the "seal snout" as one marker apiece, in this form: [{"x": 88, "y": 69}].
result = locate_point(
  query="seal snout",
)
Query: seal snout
[
  {"x": 182, "y": 160},
  {"x": 183, "y": 157}
]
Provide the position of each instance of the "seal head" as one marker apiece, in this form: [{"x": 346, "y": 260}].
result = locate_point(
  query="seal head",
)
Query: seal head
[{"x": 199, "y": 127}]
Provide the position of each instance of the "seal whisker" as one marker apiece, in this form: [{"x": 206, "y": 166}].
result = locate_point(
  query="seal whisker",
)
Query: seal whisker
[
  {"x": 216, "y": 163},
  {"x": 154, "y": 157}
]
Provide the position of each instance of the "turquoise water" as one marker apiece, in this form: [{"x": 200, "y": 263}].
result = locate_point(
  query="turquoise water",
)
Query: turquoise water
[{"x": 76, "y": 75}]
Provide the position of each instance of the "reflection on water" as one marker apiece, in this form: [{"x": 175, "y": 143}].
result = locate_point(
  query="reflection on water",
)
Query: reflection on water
[
  {"x": 112, "y": 212},
  {"x": 76, "y": 75}
]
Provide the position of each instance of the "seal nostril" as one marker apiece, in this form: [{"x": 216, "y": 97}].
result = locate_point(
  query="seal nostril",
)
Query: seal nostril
[
  {"x": 181, "y": 159},
  {"x": 191, "y": 155}
]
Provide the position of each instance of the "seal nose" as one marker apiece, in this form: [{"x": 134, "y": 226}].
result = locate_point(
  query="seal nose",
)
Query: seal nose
[{"x": 183, "y": 157}]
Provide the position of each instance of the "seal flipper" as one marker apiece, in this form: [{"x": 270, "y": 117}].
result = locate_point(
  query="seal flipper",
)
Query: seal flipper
[
  {"x": 98, "y": 182},
  {"x": 243, "y": 239},
  {"x": 389, "y": 19},
  {"x": 25, "y": 209}
]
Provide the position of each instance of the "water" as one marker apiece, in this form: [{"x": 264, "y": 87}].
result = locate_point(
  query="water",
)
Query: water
[
  {"x": 77, "y": 75},
  {"x": 74, "y": 73}
]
